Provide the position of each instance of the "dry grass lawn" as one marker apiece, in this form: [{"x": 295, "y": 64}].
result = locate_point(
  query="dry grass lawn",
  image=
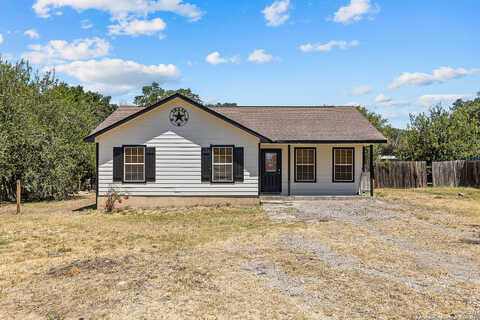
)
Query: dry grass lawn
[{"x": 405, "y": 255}]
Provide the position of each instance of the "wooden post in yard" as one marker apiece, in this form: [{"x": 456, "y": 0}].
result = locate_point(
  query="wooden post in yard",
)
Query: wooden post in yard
[{"x": 19, "y": 188}]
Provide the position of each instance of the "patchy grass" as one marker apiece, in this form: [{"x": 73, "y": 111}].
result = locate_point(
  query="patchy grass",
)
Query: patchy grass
[
  {"x": 459, "y": 201},
  {"x": 400, "y": 255}
]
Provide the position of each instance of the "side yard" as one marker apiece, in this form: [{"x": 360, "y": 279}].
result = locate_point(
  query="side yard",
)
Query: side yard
[{"x": 401, "y": 255}]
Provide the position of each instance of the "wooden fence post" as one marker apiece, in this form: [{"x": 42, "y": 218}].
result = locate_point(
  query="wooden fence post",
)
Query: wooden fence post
[{"x": 19, "y": 188}]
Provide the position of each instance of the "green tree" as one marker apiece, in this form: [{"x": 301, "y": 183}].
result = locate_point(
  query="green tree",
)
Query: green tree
[
  {"x": 219, "y": 104},
  {"x": 394, "y": 136},
  {"x": 442, "y": 134},
  {"x": 154, "y": 93},
  {"x": 42, "y": 125}
]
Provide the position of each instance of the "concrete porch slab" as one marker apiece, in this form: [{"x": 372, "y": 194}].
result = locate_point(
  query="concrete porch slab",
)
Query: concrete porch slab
[{"x": 268, "y": 198}]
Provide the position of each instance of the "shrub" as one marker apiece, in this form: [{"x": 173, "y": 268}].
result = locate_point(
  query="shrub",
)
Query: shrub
[{"x": 114, "y": 196}]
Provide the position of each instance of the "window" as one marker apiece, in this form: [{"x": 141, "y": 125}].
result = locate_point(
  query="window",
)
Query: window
[
  {"x": 305, "y": 165},
  {"x": 134, "y": 164},
  {"x": 222, "y": 164},
  {"x": 343, "y": 164},
  {"x": 270, "y": 162}
]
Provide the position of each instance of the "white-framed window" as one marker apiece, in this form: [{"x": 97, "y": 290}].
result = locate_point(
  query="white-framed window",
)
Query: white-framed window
[
  {"x": 134, "y": 164},
  {"x": 222, "y": 164},
  {"x": 343, "y": 161},
  {"x": 305, "y": 165}
]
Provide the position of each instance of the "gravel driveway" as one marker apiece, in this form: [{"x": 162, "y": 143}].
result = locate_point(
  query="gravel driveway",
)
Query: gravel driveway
[{"x": 372, "y": 245}]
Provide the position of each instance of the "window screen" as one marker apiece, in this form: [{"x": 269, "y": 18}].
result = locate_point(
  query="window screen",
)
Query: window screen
[
  {"x": 305, "y": 165},
  {"x": 134, "y": 164},
  {"x": 222, "y": 164},
  {"x": 343, "y": 165}
]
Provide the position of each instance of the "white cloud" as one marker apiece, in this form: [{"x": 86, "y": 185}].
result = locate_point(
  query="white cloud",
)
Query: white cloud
[
  {"x": 328, "y": 46},
  {"x": 32, "y": 33},
  {"x": 442, "y": 74},
  {"x": 137, "y": 27},
  {"x": 433, "y": 99},
  {"x": 86, "y": 24},
  {"x": 55, "y": 51},
  {"x": 121, "y": 8},
  {"x": 361, "y": 90},
  {"x": 1, "y": 38},
  {"x": 276, "y": 14},
  {"x": 215, "y": 58},
  {"x": 355, "y": 11},
  {"x": 392, "y": 103},
  {"x": 382, "y": 98},
  {"x": 117, "y": 76},
  {"x": 259, "y": 56}
]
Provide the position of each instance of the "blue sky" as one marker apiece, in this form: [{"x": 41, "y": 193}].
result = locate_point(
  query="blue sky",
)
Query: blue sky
[{"x": 394, "y": 57}]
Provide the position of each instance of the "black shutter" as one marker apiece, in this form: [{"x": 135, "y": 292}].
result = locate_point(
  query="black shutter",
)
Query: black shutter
[
  {"x": 150, "y": 164},
  {"x": 206, "y": 164},
  {"x": 117, "y": 164},
  {"x": 238, "y": 164}
]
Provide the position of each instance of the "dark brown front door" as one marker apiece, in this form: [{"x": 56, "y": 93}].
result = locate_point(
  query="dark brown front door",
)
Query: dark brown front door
[{"x": 271, "y": 171}]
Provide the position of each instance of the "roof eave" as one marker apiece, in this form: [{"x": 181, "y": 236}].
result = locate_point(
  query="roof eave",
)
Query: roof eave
[
  {"x": 91, "y": 137},
  {"x": 333, "y": 141}
]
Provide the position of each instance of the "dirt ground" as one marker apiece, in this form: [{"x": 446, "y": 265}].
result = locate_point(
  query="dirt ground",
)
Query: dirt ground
[{"x": 402, "y": 255}]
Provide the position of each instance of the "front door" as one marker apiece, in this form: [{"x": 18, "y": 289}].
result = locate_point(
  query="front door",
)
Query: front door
[{"x": 271, "y": 171}]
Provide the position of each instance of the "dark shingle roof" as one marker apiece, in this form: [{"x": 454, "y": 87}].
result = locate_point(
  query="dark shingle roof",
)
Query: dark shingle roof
[
  {"x": 305, "y": 123},
  {"x": 121, "y": 113},
  {"x": 278, "y": 123}
]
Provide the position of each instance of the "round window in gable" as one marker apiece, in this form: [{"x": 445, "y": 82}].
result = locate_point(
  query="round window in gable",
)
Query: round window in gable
[{"x": 178, "y": 116}]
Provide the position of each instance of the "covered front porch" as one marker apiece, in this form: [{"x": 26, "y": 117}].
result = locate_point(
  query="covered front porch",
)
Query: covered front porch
[{"x": 315, "y": 169}]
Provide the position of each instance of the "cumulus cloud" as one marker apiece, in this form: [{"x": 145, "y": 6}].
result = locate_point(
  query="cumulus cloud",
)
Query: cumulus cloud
[
  {"x": 329, "y": 45},
  {"x": 215, "y": 58},
  {"x": 355, "y": 11},
  {"x": 276, "y": 14},
  {"x": 433, "y": 99},
  {"x": 117, "y": 76},
  {"x": 32, "y": 33},
  {"x": 137, "y": 27},
  {"x": 442, "y": 74},
  {"x": 361, "y": 90},
  {"x": 56, "y": 51},
  {"x": 1, "y": 38},
  {"x": 121, "y": 8},
  {"x": 259, "y": 56}
]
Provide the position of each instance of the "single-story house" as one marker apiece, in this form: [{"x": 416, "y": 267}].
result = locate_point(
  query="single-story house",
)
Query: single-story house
[{"x": 179, "y": 152}]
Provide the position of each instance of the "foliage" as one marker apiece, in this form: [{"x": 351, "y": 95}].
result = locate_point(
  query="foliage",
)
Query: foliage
[
  {"x": 219, "y": 104},
  {"x": 394, "y": 136},
  {"x": 472, "y": 107},
  {"x": 154, "y": 93},
  {"x": 42, "y": 125},
  {"x": 113, "y": 196},
  {"x": 443, "y": 134}
]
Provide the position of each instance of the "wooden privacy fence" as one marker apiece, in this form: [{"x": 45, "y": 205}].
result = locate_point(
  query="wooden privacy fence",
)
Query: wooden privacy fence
[
  {"x": 456, "y": 173},
  {"x": 401, "y": 174}
]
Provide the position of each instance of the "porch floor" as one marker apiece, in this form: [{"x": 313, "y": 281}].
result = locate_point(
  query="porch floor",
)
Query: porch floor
[{"x": 267, "y": 198}]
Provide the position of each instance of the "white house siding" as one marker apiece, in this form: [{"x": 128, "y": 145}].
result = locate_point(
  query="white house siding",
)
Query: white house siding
[
  {"x": 178, "y": 151},
  {"x": 324, "y": 184}
]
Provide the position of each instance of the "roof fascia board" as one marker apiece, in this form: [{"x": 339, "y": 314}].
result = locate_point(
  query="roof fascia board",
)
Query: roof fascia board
[{"x": 91, "y": 138}]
